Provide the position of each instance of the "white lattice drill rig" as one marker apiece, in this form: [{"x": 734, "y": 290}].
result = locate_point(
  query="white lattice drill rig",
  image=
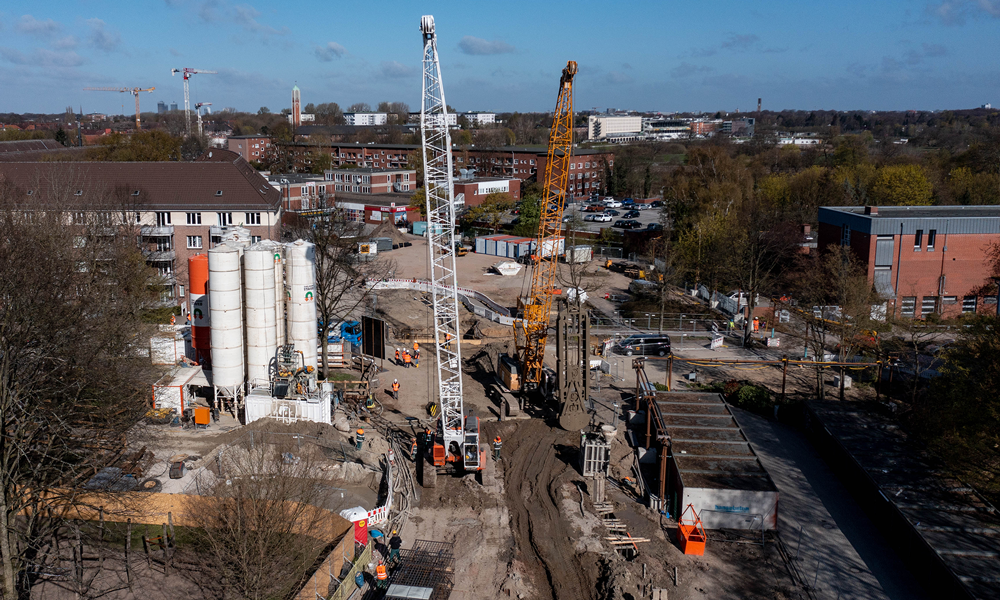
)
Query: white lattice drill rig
[{"x": 456, "y": 443}]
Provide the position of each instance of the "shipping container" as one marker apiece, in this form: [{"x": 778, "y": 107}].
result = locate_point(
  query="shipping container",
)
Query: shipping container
[{"x": 579, "y": 254}]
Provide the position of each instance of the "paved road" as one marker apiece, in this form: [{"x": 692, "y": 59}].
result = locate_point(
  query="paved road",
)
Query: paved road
[{"x": 841, "y": 554}]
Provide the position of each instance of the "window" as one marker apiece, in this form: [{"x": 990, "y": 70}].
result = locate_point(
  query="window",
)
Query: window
[
  {"x": 254, "y": 239},
  {"x": 135, "y": 193},
  {"x": 225, "y": 219},
  {"x": 969, "y": 304},
  {"x": 138, "y": 218},
  {"x": 883, "y": 281},
  {"x": 194, "y": 218},
  {"x": 218, "y": 192},
  {"x": 253, "y": 218},
  {"x": 216, "y": 240},
  {"x": 949, "y": 300},
  {"x": 907, "y": 305},
  {"x": 931, "y": 238},
  {"x": 180, "y": 290},
  {"x": 162, "y": 219},
  {"x": 928, "y": 305},
  {"x": 79, "y": 241},
  {"x": 845, "y": 236},
  {"x": 194, "y": 241},
  {"x": 79, "y": 218},
  {"x": 78, "y": 193},
  {"x": 918, "y": 240},
  {"x": 572, "y": 165}
]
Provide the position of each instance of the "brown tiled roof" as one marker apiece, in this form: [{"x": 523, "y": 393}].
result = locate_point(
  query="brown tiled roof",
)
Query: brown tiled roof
[
  {"x": 161, "y": 185},
  {"x": 29, "y": 146}
]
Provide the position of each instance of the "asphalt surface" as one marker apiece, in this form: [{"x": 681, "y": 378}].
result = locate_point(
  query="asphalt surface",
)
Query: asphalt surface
[
  {"x": 650, "y": 215},
  {"x": 839, "y": 553}
]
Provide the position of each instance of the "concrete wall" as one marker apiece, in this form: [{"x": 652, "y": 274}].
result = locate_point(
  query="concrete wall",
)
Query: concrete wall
[{"x": 732, "y": 509}]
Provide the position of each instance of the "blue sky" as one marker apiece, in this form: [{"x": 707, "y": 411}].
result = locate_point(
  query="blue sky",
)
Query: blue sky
[{"x": 644, "y": 55}]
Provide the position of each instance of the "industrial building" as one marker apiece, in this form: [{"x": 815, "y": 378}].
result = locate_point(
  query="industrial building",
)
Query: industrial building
[
  {"x": 923, "y": 259},
  {"x": 475, "y": 190},
  {"x": 181, "y": 208},
  {"x": 603, "y": 128},
  {"x": 705, "y": 460}
]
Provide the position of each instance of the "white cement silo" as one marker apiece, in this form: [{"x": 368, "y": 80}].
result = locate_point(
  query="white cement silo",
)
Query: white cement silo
[
  {"x": 278, "y": 253},
  {"x": 300, "y": 274},
  {"x": 261, "y": 330},
  {"x": 226, "y": 305}
]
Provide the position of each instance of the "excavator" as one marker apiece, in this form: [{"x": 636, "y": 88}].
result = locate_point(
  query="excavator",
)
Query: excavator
[{"x": 526, "y": 375}]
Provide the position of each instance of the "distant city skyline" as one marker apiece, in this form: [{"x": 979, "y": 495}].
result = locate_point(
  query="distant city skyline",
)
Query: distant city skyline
[{"x": 641, "y": 55}]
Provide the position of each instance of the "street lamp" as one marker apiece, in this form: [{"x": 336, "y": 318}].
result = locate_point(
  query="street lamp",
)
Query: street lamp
[{"x": 647, "y": 320}]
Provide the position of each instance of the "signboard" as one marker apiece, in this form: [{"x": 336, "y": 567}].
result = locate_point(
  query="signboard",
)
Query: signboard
[
  {"x": 361, "y": 531},
  {"x": 716, "y": 342}
]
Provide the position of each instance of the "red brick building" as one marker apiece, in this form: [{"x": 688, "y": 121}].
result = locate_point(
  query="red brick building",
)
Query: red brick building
[
  {"x": 251, "y": 147},
  {"x": 476, "y": 190},
  {"x": 924, "y": 259}
]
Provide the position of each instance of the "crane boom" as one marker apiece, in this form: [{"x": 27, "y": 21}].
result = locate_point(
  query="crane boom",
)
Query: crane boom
[
  {"x": 531, "y": 330},
  {"x": 133, "y": 91},
  {"x": 440, "y": 194},
  {"x": 187, "y": 72}
]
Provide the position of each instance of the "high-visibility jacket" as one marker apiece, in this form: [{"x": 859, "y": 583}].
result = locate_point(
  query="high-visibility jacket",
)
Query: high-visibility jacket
[
  {"x": 416, "y": 347},
  {"x": 406, "y": 357},
  {"x": 395, "y": 386},
  {"x": 397, "y": 355}
]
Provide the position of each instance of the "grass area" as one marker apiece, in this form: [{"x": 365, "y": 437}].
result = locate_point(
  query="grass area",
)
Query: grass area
[{"x": 342, "y": 377}]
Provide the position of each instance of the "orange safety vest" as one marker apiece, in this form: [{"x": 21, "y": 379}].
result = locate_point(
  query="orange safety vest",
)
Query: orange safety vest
[
  {"x": 395, "y": 386},
  {"x": 416, "y": 346},
  {"x": 397, "y": 355},
  {"x": 380, "y": 572},
  {"x": 406, "y": 357}
]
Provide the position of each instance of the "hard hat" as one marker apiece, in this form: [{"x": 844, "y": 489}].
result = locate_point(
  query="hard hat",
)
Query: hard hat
[
  {"x": 393, "y": 532},
  {"x": 395, "y": 380},
  {"x": 361, "y": 431}
]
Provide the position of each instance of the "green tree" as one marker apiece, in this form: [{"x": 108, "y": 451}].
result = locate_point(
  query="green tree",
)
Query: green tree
[
  {"x": 419, "y": 201},
  {"x": 491, "y": 210},
  {"x": 902, "y": 185},
  {"x": 263, "y": 110},
  {"x": 530, "y": 215},
  {"x": 61, "y": 137}
]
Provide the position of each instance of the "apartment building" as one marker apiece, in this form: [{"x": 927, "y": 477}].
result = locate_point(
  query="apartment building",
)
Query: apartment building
[
  {"x": 180, "y": 208},
  {"x": 366, "y": 119},
  {"x": 373, "y": 181},
  {"x": 924, "y": 259},
  {"x": 600, "y": 127},
  {"x": 251, "y": 147}
]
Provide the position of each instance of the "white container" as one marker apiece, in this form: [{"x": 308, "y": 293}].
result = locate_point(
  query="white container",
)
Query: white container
[
  {"x": 300, "y": 272},
  {"x": 261, "y": 330},
  {"x": 226, "y": 304}
]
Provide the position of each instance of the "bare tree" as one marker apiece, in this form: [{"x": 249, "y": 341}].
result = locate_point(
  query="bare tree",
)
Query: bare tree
[
  {"x": 259, "y": 521},
  {"x": 74, "y": 289},
  {"x": 340, "y": 272}
]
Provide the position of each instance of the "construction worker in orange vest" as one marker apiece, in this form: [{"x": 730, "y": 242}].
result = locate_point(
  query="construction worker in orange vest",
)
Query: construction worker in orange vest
[
  {"x": 395, "y": 389},
  {"x": 497, "y": 445},
  {"x": 381, "y": 577},
  {"x": 397, "y": 358},
  {"x": 413, "y": 450},
  {"x": 406, "y": 359},
  {"x": 359, "y": 439},
  {"x": 416, "y": 349},
  {"x": 447, "y": 341}
]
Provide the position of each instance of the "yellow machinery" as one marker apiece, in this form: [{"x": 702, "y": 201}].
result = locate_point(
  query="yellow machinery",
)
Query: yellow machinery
[{"x": 531, "y": 330}]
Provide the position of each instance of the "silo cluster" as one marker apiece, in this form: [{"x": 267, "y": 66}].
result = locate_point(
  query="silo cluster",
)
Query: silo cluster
[{"x": 247, "y": 301}]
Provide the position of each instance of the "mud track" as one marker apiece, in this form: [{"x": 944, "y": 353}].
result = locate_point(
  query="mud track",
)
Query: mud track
[{"x": 538, "y": 465}]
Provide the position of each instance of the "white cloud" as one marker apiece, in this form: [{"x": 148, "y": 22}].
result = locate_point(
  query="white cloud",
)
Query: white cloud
[
  {"x": 955, "y": 12},
  {"x": 66, "y": 43},
  {"x": 103, "y": 37},
  {"x": 480, "y": 47},
  {"x": 329, "y": 52},
  {"x": 395, "y": 70},
  {"x": 32, "y": 26},
  {"x": 617, "y": 78},
  {"x": 42, "y": 58},
  {"x": 246, "y": 16}
]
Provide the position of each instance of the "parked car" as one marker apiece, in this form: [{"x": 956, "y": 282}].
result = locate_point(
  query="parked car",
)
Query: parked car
[
  {"x": 628, "y": 224},
  {"x": 612, "y": 212},
  {"x": 599, "y": 218},
  {"x": 656, "y": 204},
  {"x": 609, "y": 198},
  {"x": 654, "y": 227},
  {"x": 632, "y": 214},
  {"x": 628, "y": 202},
  {"x": 612, "y": 204},
  {"x": 620, "y": 223},
  {"x": 644, "y": 344}
]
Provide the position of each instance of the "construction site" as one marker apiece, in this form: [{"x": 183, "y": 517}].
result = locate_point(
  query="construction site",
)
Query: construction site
[{"x": 473, "y": 433}]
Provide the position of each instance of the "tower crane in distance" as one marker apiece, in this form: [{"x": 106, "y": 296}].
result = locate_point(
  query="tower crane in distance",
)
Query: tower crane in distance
[
  {"x": 187, "y": 91},
  {"x": 531, "y": 329},
  {"x": 197, "y": 110},
  {"x": 133, "y": 91},
  {"x": 457, "y": 441}
]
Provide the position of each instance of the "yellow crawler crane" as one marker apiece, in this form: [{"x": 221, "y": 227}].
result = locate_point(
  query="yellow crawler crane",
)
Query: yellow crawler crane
[{"x": 531, "y": 330}]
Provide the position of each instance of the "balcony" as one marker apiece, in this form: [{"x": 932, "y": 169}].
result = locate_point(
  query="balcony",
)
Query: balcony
[
  {"x": 159, "y": 255},
  {"x": 156, "y": 230}
]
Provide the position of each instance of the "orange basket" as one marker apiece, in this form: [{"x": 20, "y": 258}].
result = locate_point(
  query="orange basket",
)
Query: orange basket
[{"x": 691, "y": 533}]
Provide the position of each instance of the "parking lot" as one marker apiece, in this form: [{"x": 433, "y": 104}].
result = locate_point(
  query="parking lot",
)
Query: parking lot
[{"x": 574, "y": 211}]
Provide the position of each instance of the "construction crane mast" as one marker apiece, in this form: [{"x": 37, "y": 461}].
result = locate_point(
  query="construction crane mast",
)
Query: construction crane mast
[
  {"x": 531, "y": 330},
  {"x": 133, "y": 91},
  {"x": 197, "y": 110},
  {"x": 187, "y": 91},
  {"x": 459, "y": 443}
]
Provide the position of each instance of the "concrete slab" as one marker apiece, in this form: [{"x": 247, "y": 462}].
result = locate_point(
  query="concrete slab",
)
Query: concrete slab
[{"x": 839, "y": 552}]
